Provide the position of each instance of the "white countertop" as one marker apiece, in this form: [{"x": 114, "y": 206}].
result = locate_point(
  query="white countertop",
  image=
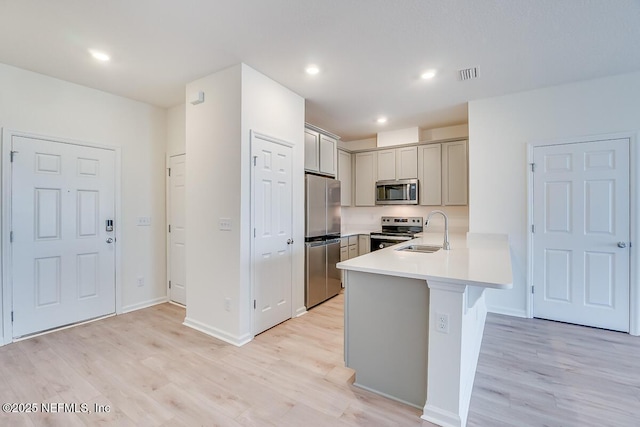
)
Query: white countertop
[{"x": 476, "y": 261}]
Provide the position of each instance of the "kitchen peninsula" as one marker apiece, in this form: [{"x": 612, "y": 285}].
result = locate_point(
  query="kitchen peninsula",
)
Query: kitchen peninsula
[{"x": 414, "y": 321}]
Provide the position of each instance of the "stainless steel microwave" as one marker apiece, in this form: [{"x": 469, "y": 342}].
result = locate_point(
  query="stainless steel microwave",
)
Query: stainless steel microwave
[{"x": 397, "y": 192}]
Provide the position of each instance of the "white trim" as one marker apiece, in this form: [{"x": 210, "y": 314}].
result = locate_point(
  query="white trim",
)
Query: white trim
[
  {"x": 238, "y": 341},
  {"x": 300, "y": 311},
  {"x": 7, "y": 283},
  {"x": 167, "y": 212},
  {"x": 634, "y": 221},
  {"x": 441, "y": 417},
  {"x": 144, "y": 304},
  {"x": 7, "y": 298},
  {"x": 508, "y": 311},
  {"x": 294, "y": 313}
]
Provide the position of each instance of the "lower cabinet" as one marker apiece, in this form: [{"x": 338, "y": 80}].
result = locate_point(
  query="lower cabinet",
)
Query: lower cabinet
[{"x": 364, "y": 244}]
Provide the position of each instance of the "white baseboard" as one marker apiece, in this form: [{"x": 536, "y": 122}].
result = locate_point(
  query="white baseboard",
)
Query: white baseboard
[
  {"x": 217, "y": 333},
  {"x": 507, "y": 311},
  {"x": 441, "y": 417},
  {"x": 300, "y": 311},
  {"x": 144, "y": 304}
]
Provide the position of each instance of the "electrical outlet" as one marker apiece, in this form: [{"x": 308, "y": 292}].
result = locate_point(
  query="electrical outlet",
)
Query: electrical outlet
[
  {"x": 140, "y": 281},
  {"x": 224, "y": 224},
  {"x": 442, "y": 323},
  {"x": 227, "y": 304}
]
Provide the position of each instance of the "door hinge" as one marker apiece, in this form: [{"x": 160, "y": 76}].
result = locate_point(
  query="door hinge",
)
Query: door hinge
[
  {"x": 254, "y": 232},
  {"x": 12, "y": 317},
  {"x": 254, "y": 304},
  {"x": 255, "y": 159},
  {"x": 533, "y": 228},
  {"x": 169, "y": 284},
  {"x": 11, "y": 236},
  {"x": 13, "y": 153},
  {"x": 533, "y": 167},
  {"x": 169, "y": 171},
  {"x": 169, "y": 228},
  {"x": 532, "y": 291}
]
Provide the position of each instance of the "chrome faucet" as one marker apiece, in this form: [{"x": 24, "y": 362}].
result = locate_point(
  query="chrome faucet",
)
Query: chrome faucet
[{"x": 445, "y": 244}]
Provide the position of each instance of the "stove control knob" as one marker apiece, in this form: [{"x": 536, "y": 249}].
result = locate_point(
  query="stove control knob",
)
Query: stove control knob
[{"x": 380, "y": 246}]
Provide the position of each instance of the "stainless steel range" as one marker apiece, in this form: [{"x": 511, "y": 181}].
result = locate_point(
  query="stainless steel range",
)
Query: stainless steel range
[{"x": 395, "y": 230}]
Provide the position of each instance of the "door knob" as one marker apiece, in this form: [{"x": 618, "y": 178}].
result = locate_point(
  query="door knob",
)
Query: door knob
[
  {"x": 622, "y": 245},
  {"x": 109, "y": 240},
  {"x": 289, "y": 241}
]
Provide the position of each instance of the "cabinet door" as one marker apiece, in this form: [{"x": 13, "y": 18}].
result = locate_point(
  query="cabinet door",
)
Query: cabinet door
[
  {"x": 328, "y": 155},
  {"x": 344, "y": 175},
  {"x": 364, "y": 244},
  {"x": 344, "y": 253},
  {"x": 311, "y": 150},
  {"x": 386, "y": 164},
  {"x": 430, "y": 174},
  {"x": 366, "y": 178},
  {"x": 407, "y": 163},
  {"x": 353, "y": 251},
  {"x": 454, "y": 172}
]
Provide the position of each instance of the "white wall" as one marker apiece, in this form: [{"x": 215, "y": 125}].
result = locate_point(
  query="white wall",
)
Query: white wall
[
  {"x": 38, "y": 104},
  {"x": 237, "y": 101},
  {"x": 360, "y": 144},
  {"x": 176, "y": 122},
  {"x": 213, "y": 192},
  {"x": 271, "y": 109},
  {"x": 449, "y": 132},
  {"x": 363, "y": 218},
  {"x": 500, "y": 128}
]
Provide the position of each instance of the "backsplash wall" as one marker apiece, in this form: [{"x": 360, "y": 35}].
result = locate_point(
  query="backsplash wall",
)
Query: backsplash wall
[{"x": 368, "y": 218}]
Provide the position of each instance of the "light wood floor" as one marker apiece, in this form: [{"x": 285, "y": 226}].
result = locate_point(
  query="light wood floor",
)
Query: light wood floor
[{"x": 153, "y": 371}]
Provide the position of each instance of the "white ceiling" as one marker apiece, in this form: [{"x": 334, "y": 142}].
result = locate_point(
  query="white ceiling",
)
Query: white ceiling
[{"x": 371, "y": 52}]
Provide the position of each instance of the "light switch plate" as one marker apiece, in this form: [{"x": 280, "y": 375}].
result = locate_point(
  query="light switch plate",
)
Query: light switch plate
[
  {"x": 224, "y": 224},
  {"x": 144, "y": 220}
]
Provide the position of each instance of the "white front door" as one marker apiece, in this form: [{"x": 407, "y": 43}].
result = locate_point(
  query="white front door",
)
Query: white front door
[
  {"x": 63, "y": 259},
  {"x": 177, "y": 272},
  {"x": 581, "y": 236},
  {"x": 272, "y": 212}
]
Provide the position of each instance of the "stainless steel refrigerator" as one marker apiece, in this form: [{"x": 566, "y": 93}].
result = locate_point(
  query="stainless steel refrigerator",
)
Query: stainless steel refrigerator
[{"x": 322, "y": 239}]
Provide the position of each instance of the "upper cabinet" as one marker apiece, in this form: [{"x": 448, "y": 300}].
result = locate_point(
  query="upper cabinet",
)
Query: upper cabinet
[
  {"x": 365, "y": 187},
  {"x": 454, "y": 173},
  {"x": 344, "y": 175},
  {"x": 311, "y": 150},
  {"x": 398, "y": 163},
  {"x": 320, "y": 152},
  {"x": 442, "y": 171},
  {"x": 430, "y": 174}
]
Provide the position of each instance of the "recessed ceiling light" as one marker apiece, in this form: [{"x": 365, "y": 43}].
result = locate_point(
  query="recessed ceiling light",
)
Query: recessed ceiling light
[
  {"x": 381, "y": 120},
  {"x": 312, "y": 69},
  {"x": 100, "y": 56},
  {"x": 429, "y": 74}
]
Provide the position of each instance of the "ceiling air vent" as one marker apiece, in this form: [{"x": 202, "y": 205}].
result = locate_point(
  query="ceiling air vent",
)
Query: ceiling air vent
[{"x": 468, "y": 73}]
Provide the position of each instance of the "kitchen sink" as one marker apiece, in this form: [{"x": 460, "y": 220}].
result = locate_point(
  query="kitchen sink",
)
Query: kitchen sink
[{"x": 426, "y": 249}]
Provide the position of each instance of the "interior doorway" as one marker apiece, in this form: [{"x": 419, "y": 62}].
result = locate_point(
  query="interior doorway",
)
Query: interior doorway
[
  {"x": 581, "y": 233},
  {"x": 176, "y": 230},
  {"x": 62, "y": 246},
  {"x": 272, "y": 207}
]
